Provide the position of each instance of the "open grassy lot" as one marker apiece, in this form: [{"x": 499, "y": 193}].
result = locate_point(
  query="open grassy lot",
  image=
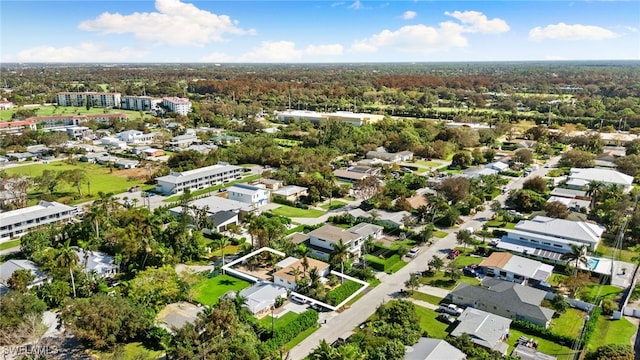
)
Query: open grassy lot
[
  {"x": 100, "y": 179},
  {"x": 570, "y": 323},
  {"x": 72, "y": 110},
  {"x": 279, "y": 321},
  {"x": 440, "y": 280},
  {"x": 130, "y": 351},
  {"x": 426, "y": 297},
  {"x": 335, "y": 204},
  {"x": 290, "y": 211},
  {"x": 440, "y": 234},
  {"x": 466, "y": 260},
  {"x": 9, "y": 244},
  {"x": 611, "y": 332},
  {"x": 209, "y": 291},
  {"x": 590, "y": 292},
  {"x": 430, "y": 324},
  {"x": 428, "y": 163},
  {"x": 545, "y": 346}
]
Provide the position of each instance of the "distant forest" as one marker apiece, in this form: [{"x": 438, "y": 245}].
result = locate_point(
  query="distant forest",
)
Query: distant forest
[{"x": 592, "y": 93}]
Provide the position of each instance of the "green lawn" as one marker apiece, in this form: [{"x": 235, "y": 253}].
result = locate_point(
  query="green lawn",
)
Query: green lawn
[
  {"x": 441, "y": 281},
  {"x": 611, "y": 332},
  {"x": 278, "y": 322},
  {"x": 426, "y": 297},
  {"x": 9, "y": 244},
  {"x": 298, "y": 339},
  {"x": 245, "y": 179},
  {"x": 130, "y": 351},
  {"x": 397, "y": 266},
  {"x": 440, "y": 234},
  {"x": 466, "y": 260},
  {"x": 293, "y": 212},
  {"x": 428, "y": 163},
  {"x": 604, "y": 291},
  {"x": 429, "y": 323},
  {"x": 335, "y": 204},
  {"x": 100, "y": 179},
  {"x": 228, "y": 250},
  {"x": 570, "y": 323},
  {"x": 72, "y": 110},
  {"x": 209, "y": 291},
  {"x": 623, "y": 255},
  {"x": 544, "y": 346}
]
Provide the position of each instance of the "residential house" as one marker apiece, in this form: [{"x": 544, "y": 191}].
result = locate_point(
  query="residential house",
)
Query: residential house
[
  {"x": 249, "y": 194},
  {"x": 261, "y": 296},
  {"x": 290, "y": 270},
  {"x": 618, "y": 139},
  {"x": 112, "y": 142},
  {"x": 183, "y": 141},
  {"x": 356, "y": 119},
  {"x": 20, "y": 156},
  {"x": 506, "y": 266},
  {"x": 485, "y": 329},
  {"x": 177, "y": 182},
  {"x": 504, "y": 298},
  {"x": 225, "y": 139},
  {"x": 202, "y": 148},
  {"x": 271, "y": 184},
  {"x": 10, "y": 266},
  {"x": 433, "y": 349},
  {"x": 291, "y": 192},
  {"x": 97, "y": 262},
  {"x": 389, "y": 218},
  {"x": 6, "y": 105},
  {"x": 577, "y": 205},
  {"x": 323, "y": 239},
  {"x": 498, "y": 166},
  {"x": 569, "y": 193},
  {"x": 79, "y": 132},
  {"x": 16, "y": 223},
  {"x": 221, "y": 212},
  {"x": 549, "y": 238},
  {"x": 581, "y": 178},
  {"x": 152, "y": 152},
  {"x": 350, "y": 176},
  {"x": 126, "y": 163},
  {"x": 136, "y": 137},
  {"x": 390, "y": 157}
]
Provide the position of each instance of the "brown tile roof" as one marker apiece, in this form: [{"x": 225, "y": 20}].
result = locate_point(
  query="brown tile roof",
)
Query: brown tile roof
[
  {"x": 417, "y": 200},
  {"x": 497, "y": 259}
]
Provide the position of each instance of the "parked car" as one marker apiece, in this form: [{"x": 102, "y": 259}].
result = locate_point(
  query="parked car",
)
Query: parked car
[
  {"x": 298, "y": 299},
  {"x": 446, "y": 318},
  {"x": 319, "y": 308},
  {"x": 453, "y": 254},
  {"x": 413, "y": 252},
  {"x": 451, "y": 309}
]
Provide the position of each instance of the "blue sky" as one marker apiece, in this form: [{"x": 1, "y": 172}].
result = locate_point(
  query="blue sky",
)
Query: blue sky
[{"x": 216, "y": 31}]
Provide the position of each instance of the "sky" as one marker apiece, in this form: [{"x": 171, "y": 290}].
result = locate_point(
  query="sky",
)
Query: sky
[{"x": 299, "y": 31}]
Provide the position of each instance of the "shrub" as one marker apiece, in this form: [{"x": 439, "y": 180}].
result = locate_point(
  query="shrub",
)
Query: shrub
[
  {"x": 286, "y": 333},
  {"x": 339, "y": 294},
  {"x": 542, "y": 332},
  {"x": 612, "y": 352}
]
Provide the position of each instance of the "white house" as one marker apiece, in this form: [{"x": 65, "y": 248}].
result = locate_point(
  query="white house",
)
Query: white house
[
  {"x": 324, "y": 238},
  {"x": 261, "y": 296},
  {"x": 498, "y": 166},
  {"x": 221, "y": 212},
  {"x": 249, "y": 194},
  {"x": 10, "y": 266},
  {"x": 581, "y": 178},
  {"x": 136, "y": 137},
  {"x": 97, "y": 262},
  {"x": 550, "y": 238},
  {"x": 433, "y": 349},
  {"x": 486, "y": 329},
  {"x": 391, "y": 157},
  {"x": 290, "y": 270},
  {"x": 177, "y": 182},
  {"x": 16, "y": 223},
  {"x": 183, "y": 141},
  {"x": 290, "y": 192},
  {"x": 506, "y": 266},
  {"x": 357, "y": 119}
]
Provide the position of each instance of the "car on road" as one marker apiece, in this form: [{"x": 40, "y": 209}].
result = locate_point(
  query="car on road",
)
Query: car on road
[
  {"x": 413, "y": 252},
  {"x": 446, "y": 318}
]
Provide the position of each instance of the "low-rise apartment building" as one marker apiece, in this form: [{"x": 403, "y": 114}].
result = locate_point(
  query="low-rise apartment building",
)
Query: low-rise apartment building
[
  {"x": 177, "y": 182},
  {"x": 16, "y": 223},
  {"x": 249, "y": 194},
  {"x": 139, "y": 103}
]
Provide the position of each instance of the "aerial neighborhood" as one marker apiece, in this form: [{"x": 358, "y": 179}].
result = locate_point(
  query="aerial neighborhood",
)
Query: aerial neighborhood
[{"x": 390, "y": 214}]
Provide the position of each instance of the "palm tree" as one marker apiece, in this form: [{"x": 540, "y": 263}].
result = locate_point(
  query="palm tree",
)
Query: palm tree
[
  {"x": 595, "y": 190},
  {"x": 339, "y": 255},
  {"x": 577, "y": 254},
  {"x": 304, "y": 252},
  {"x": 222, "y": 242},
  {"x": 67, "y": 258}
]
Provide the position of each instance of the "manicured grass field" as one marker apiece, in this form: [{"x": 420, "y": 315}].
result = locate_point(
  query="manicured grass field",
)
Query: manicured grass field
[
  {"x": 440, "y": 234},
  {"x": 279, "y": 321},
  {"x": 72, "y": 110},
  {"x": 9, "y": 244},
  {"x": 100, "y": 179},
  {"x": 429, "y": 323},
  {"x": 293, "y": 212},
  {"x": 287, "y": 142},
  {"x": 466, "y": 260},
  {"x": 544, "y": 346},
  {"x": 426, "y": 297},
  {"x": 209, "y": 291},
  {"x": 611, "y": 332},
  {"x": 228, "y": 250},
  {"x": 440, "y": 280},
  {"x": 335, "y": 204},
  {"x": 604, "y": 291},
  {"x": 570, "y": 323},
  {"x": 623, "y": 255}
]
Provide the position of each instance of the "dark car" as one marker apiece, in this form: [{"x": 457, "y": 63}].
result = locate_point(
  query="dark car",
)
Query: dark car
[
  {"x": 446, "y": 318},
  {"x": 453, "y": 254}
]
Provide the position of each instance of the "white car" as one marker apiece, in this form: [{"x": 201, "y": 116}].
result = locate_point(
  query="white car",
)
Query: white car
[
  {"x": 413, "y": 252},
  {"x": 298, "y": 299}
]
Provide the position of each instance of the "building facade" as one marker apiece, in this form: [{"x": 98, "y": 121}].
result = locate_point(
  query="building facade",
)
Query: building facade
[
  {"x": 249, "y": 194},
  {"x": 180, "y": 106},
  {"x": 139, "y": 103},
  {"x": 95, "y": 99},
  {"x": 177, "y": 182},
  {"x": 16, "y": 223}
]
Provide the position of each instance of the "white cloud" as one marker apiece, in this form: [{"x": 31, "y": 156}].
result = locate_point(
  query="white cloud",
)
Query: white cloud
[
  {"x": 415, "y": 38},
  {"x": 280, "y": 51},
  {"x": 562, "y": 31},
  {"x": 85, "y": 52},
  {"x": 408, "y": 15},
  {"x": 479, "y": 22},
  {"x": 357, "y": 5},
  {"x": 175, "y": 23},
  {"x": 336, "y": 4}
]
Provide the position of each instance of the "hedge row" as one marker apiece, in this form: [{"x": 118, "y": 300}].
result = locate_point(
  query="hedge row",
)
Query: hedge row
[
  {"x": 543, "y": 332},
  {"x": 339, "y": 294},
  {"x": 591, "y": 324},
  {"x": 380, "y": 264},
  {"x": 286, "y": 333}
]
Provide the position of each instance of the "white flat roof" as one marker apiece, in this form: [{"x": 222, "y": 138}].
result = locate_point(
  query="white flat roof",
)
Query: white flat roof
[
  {"x": 177, "y": 177},
  {"x": 607, "y": 176},
  {"x": 43, "y": 209},
  {"x": 560, "y": 229}
]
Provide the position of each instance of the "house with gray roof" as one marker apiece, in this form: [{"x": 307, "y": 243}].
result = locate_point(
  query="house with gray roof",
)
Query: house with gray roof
[
  {"x": 18, "y": 222},
  {"x": 291, "y": 192},
  {"x": 261, "y": 296},
  {"x": 221, "y": 212},
  {"x": 8, "y": 267},
  {"x": 323, "y": 239},
  {"x": 433, "y": 349},
  {"x": 504, "y": 298},
  {"x": 485, "y": 329},
  {"x": 249, "y": 194},
  {"x": 580, "y": 178}
]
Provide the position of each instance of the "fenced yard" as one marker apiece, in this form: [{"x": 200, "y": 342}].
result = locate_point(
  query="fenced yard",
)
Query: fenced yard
[{"x": 209, "y": 290}]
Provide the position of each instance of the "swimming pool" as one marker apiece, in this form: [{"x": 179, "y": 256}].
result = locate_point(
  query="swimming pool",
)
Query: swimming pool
[{"x": 592, "y": 263}]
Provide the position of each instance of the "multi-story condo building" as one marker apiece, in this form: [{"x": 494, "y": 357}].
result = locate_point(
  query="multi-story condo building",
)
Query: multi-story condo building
[
  {"x": 177, "y": 182},
  {"x": 357, "y": 119},
  {"x": 16, "y": 223},
  {"x": 96, "y": 99},
  {"x": 62, "y": 121},
  {"x": 141, "y": 103},
  {"x": 177, "y": 105}
]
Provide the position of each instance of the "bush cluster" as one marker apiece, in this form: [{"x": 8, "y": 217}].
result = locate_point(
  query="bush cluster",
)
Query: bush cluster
[
  {"x": 542, "y": 332},
  {"x": 286, "y": 333},
  {"x": 339, "y": 294}
]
